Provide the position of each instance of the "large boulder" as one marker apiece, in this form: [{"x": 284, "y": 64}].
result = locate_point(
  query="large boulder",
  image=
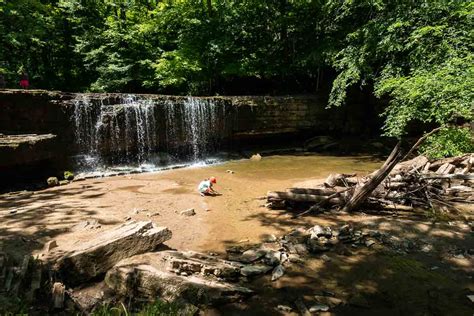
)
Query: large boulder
[
  {"x": 171, "y": 275},
  {"x": 96, "y": 257}
]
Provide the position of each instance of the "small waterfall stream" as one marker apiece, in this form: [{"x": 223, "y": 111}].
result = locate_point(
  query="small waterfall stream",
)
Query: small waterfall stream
[{"x": 129, "y": 131}]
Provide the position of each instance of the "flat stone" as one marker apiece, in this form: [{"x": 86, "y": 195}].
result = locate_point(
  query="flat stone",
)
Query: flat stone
[
  {"x": 52, "y": 181},
  {"x": 251, "y": 255},
  {"x": 328, "y": 300},
  {"x": 188, "y": 212},
  {"x": 278, "y": 272},
  {"x": 95, "y": 257},
  {"x": 254, "y": 269},
  {"x": 369, "y": 242},
  {"x": 301, "y": 249},
  {"x": 149, "y": 276},
  {"x": 50, "y": 245},
  {"x": 471, "y": 298},
  {"x": 318, "y": 308},
  {"x": 284, "y": 308}
]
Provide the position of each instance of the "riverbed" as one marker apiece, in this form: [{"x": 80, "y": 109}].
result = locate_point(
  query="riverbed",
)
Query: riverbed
[{"x": 378, "y": 280}]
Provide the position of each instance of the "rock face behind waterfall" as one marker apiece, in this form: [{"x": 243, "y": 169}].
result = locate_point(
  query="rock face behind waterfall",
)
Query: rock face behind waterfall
[{"x": 134, "y": 128}]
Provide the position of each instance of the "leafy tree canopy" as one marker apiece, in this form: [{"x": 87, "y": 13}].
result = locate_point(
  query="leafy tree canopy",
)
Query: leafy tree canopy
[{"x": 415, "y": 55}]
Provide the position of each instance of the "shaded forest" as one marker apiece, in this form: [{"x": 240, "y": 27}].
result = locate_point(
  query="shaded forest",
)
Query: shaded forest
[{"x": 415, "y": 54}]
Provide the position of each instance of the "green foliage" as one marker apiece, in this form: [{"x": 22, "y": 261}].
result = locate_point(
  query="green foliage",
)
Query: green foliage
[
  {"x": 417, "y": 55},
  {"x": 157, "y": 308},
  {"x": 449, "y": 142},
  {"x": 68, "y": 175}
]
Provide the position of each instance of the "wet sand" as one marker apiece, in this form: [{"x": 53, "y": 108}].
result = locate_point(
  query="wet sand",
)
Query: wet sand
[
  {"x": 237, "y": 215},
  {"x": 391, "y": 284}
]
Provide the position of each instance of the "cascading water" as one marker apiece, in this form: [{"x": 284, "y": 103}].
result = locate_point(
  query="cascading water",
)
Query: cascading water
[{"x": 144, "y": 133}]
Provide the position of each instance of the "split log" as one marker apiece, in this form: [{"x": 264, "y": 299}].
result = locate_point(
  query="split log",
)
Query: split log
[
  {"x": 97, "y": 256},
  {"x": 361, "y": 194},
  {"x": 411, "y": 165},
  {"x": 446, "y": 168},
  {"x": 453, "y": 160},
  {"x": 173, "y": 275},
  {"x": 449, "y": 176},
  {"x": 288, "y": 196},
  {"x": 317, "y": 191}
]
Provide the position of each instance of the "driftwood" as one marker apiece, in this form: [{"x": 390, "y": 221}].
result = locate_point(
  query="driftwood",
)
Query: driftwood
[
  {"x": 398, "y": 186},
  {"x": 97, "y": 256},
  {"x": 361, "y": 194},
  {"x": 288, "y": 196}
]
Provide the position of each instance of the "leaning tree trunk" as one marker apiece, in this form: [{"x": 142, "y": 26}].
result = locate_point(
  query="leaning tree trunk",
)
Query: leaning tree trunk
[{"x": 362, "y": 193}]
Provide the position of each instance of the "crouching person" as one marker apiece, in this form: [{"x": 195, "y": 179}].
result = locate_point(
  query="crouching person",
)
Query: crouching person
[{"x": 205, "y": 187}]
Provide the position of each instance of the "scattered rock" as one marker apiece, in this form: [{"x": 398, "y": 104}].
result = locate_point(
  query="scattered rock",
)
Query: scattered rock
[
  {"x": 284, "y": 308},
  {"x": 471, "y": 298},
  {"x": 50, "y": 245},
  {"x": 68, "y": 175},
  {"x": 64, "y": 182},
  {"x": 251, "y": 255},
  {"x": 326, "y": 258},
  {"x": 359, "y": 301},
  {"x": 369, "y": 242},
  {"x": 58, "y": 295},
  {"x": 270, "y": 238},
  {"x": 317, "y": 245},
  {"x": 12, "y": 211},
  {"x": 293, "y": 258},
  {"x": 88, "y": 224},
  {"x": 256, "y": 157},
  {"x": 230, "y": 171},
  {"x": 127, "y": 218},
  {"x": 427, "y": 248},
  {"x": 52, "y": 181},
  {"x": 254, "y": 269},
  {"x": 278, "y": 272},
  {"x": 319, "y": 308},
  {"x": 301, "y": 249},
  {"x": 273, "y": 258},
  {"x": 188, "y": 212},
  {"x": 328, "y": 300}
]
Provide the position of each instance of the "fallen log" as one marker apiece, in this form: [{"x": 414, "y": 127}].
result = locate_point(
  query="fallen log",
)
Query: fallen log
[
  {"x": 317, "y": 191},
  {"x": 288, "y": 196},
  {"x": 456, "y": 176},
  {"x": 97, "y": 256}
]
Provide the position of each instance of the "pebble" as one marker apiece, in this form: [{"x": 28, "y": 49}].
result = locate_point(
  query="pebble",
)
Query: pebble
[
  {"x": 369, "y": 243},
  {"x": 318, "y": 308},
  {"x": 270, "y": 238},
  {"x": 230, "y": 171},
  {"x": 278, "y": 272},
  {"x": 127, "y": 218},
  {"x": 255, "y": 269},
  {"x": 284, "y": 308},
  {"x": 188, "y": 212},
  {"x": 325, "y": 258}
]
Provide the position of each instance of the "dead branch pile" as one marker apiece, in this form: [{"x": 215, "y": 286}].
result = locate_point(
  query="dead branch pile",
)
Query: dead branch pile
[{"x": 416, "y": 183}]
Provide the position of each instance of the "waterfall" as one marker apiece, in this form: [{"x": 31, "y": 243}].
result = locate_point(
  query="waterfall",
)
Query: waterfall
[{"x": 136, "y": 130}]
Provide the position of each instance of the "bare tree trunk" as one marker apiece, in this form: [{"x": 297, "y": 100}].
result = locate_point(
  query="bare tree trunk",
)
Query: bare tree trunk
[{"x": 362, "y": 193}]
